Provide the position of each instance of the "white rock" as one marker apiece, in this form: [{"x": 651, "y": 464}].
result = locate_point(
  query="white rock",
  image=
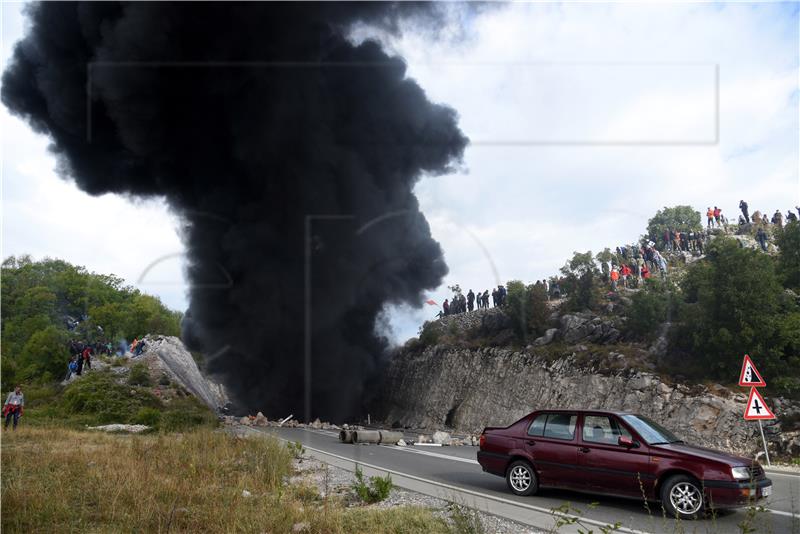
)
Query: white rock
[
  {"x": 246, "y": 493},
  {"x": 442, "y": 438},
  {"x": 135, "y": 429},
  {"x": 401, "y": 443}
]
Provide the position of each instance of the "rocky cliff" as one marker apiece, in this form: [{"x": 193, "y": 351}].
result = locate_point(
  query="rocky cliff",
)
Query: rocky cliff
[
  {"x": 168, "y": 355},
  {"x": 467, "y": 388}
]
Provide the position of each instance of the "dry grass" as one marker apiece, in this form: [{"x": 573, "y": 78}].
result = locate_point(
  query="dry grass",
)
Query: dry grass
[{"x": 60, "y": 480}]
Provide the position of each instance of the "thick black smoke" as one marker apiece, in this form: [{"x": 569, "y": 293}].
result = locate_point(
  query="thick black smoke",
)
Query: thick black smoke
[{"x": 254, "y": 120}]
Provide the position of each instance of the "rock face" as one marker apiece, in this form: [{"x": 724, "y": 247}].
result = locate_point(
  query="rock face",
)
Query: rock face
[
  {"x": 467, "y": 389},
  {"x": 168, "y": 354}
]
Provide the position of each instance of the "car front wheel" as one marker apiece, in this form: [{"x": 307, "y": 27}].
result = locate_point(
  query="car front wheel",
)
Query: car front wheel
[
  {"x": 521, "y": 478},
  {"x": 682, "y": 497}
]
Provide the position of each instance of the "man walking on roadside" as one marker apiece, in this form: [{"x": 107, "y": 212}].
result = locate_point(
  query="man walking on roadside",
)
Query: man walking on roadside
[{"x": 15, "y": 404}]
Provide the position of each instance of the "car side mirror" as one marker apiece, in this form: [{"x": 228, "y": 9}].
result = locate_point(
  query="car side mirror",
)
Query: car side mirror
[{"x": 625, "y": 441}]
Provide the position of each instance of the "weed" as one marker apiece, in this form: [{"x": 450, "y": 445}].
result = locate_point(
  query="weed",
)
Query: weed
[
  {"x": 378, "y": 488},
  {"x": 465, "y": 520},
  {"x": 296, "y": 449}
]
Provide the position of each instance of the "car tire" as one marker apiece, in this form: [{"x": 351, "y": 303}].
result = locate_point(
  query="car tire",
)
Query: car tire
[
  {"x": 682, "y": 497},
  {"x": 521, "y": 478}
]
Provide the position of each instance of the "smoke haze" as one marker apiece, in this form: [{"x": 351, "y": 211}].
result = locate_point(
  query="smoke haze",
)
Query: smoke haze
[{"x": 257, "y": 122}]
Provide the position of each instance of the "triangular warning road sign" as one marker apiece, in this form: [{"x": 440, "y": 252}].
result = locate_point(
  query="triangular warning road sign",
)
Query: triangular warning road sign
[
  {"x": 756, "y": 407},
  {"x": 749, "y": 377}
]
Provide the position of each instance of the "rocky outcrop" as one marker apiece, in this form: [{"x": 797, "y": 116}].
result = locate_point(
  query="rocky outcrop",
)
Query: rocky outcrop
[
  {"x": 468, "y": 389},
  {"x": 169, "y": 355},
  {"x": 580, "y": 327}
]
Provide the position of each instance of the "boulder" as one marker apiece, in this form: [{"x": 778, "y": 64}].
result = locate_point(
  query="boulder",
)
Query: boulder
[
  {"x": 547, "y": 338},
  {"x": 169, "y": 355},
  {"x": 442, "y": 438}
]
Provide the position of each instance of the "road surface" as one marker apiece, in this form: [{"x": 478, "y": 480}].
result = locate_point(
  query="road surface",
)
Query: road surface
[{"x": 453, "y": 473}]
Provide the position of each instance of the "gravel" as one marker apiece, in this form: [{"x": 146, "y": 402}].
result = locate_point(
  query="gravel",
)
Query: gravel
[{"x": 335, "y": 481}]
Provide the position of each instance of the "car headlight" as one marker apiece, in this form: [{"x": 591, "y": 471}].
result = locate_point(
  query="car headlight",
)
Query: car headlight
[{"x": 740, "y": 473}]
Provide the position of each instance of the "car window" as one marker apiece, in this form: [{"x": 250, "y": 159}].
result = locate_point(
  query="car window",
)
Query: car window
[
  {"x": 603, "y": 429},
  {"x": 537, "y": 427},
  {"x": 560, "y": 426}
]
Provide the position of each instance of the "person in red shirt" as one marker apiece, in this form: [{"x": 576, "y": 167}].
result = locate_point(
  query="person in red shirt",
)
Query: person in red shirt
[
  {"x": 645, "y": 272},
  {"x": 626, "y": 272},
  {"x": 717, "y": 213},
  {"x": 614, "y": 278},
  {"x": 87, "y": 358}
]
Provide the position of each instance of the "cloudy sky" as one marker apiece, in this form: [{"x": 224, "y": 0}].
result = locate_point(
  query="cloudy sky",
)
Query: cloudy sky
[{"x": 585, "y": 119}]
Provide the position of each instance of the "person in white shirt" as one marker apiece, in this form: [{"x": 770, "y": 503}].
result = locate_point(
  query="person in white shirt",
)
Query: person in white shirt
[{"x": 13, "y": 407}]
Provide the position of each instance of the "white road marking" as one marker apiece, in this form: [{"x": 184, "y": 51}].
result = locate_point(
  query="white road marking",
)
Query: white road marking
[
  {"x": 478, "y": 494},
  {"x": 434, "y": 454}
]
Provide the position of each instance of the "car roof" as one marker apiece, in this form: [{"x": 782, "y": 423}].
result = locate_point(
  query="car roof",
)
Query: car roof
[{"x": 585, "y": 411}]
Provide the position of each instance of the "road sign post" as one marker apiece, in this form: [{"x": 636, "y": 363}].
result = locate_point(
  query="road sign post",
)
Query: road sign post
[{"x": 756, "y": 407}]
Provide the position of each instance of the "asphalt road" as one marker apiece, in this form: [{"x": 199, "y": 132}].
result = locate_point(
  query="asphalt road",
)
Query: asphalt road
[{"x": 453, "y": 473}]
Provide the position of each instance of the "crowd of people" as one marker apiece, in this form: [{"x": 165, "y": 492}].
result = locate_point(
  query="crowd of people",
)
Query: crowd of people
[
  {"x": 638, "y": 262},
  {"x": 81, "y": 353}
]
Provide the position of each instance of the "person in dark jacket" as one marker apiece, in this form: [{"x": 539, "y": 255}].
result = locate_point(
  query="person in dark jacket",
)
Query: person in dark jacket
[
  {"x": 761, "y": 237},
  {"x": 470, "y": 300},
  {"x": 743, "y": 207},
  {"x": 446, "y": 307}
]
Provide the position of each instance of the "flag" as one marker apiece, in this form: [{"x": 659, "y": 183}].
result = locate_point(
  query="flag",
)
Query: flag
[{"x": 431, "y": 302}]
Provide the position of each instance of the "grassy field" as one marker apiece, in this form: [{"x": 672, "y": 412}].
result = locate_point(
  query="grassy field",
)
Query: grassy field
[{"x": 56, "y": 479}]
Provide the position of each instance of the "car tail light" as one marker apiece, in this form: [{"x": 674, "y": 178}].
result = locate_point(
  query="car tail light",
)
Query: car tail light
[{"x": 482, "y": 441}]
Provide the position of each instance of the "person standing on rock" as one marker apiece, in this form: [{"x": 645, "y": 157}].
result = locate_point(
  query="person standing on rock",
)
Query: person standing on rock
[
  {"x": 717, "y": 215},
  {"x": 470, "y": 300},
  {"x": 485, "y": 299},
  {"x": 761, "y": 237},
  {"x": 14, "y": 406},
  {"x": 614, "y": 278},
  {"x": 710, "y": 216},
  {"x": 743, "y": 207},
  {"x": 87, "y": 357},
  {"x": 777, "y": 219},
  {"x": 446, "y": 307}
]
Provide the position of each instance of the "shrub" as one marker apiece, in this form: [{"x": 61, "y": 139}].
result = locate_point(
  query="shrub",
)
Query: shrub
[
  {"x": 645, "y": 315},
  {"x": 185, "y": 413},
  {"x": 378, "y": 488},
  {"x": 429, "y": 333},
  {"x": 296, "y": 449},
  {"x": 147, "y": 416},
  {"x": 139, "y": 375},
  {"x": 101, "y": 400}
]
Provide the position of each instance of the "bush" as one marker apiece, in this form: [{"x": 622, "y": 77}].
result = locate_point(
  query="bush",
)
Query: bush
[
  {"x": 680, "y": 218},
  {"x": 377, "y": 490},
  {"x": 186, "y": 413},
  {"x": 645, "y": 315},
  {"x": 101, "y": 400},
  {"x": 147, "y": 416},
  {"x": 429, "y": 333},
  {"x": 139, "y": 375}
]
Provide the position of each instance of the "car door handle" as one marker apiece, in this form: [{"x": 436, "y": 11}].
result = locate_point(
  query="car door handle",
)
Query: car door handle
[
  {"x": 530, "y": 442},
  {"x": 584, "y": 449}
]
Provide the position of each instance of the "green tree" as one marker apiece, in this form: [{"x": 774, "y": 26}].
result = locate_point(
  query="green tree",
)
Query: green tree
[
  {"x": 679, "y": 218},
  {"x": 580, "y": 282},
  {"x": 45, "y": 355},
  {"x": 734, "y": 305},
  {"x": 604, "y": 259},
  {"x": 788, "y": 241}
]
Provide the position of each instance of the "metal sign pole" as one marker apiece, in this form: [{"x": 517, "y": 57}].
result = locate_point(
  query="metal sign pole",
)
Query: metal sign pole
[{"x": 766, "y": 452}]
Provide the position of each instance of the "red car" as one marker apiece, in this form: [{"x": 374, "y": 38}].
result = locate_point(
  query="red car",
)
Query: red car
[{"x": 621, "y": 454}]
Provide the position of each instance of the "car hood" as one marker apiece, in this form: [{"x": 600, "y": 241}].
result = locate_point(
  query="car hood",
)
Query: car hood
[{"x": 706, "y": 454}]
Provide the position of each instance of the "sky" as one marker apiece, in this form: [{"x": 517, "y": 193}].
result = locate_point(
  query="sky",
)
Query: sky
[{"x": 584, "y": 120}]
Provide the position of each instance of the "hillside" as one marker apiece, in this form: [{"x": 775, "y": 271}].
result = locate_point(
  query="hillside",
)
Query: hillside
[{"x": 669, "y": 347}]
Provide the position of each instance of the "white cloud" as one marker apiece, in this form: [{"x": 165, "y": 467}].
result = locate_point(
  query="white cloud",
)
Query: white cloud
[{"x": 541, "y": 71}]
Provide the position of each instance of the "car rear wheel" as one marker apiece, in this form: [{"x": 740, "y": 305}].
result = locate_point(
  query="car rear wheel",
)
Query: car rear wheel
[
  {"x": 682, "y": 496},
  {"x": 521, "y": 478}
]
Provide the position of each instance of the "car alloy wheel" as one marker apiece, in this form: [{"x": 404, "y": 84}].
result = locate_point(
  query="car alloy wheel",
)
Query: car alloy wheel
[
  {"x": 682, "y": 497},
  {"x": 521, "y": 478},
  {"x": 686, "y": 498}
]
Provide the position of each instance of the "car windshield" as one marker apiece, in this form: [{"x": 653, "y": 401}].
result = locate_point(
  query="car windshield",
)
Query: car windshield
[{"x": 651, "y": 432}]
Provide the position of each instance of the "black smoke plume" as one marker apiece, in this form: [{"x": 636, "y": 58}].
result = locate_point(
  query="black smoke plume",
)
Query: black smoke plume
[{"x": 255, "y": 120}]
